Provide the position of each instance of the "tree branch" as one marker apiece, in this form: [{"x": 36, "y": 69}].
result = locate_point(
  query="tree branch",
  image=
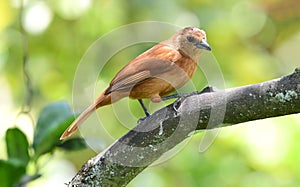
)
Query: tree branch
[{"x": 131, "y": 154}]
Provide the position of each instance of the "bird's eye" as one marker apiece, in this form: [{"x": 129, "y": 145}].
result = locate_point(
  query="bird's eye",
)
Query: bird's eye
[{"x": 190, "y": 39}]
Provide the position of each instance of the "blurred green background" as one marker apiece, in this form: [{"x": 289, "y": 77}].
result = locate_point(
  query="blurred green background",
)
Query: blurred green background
[{"x": 252, "y": 41}]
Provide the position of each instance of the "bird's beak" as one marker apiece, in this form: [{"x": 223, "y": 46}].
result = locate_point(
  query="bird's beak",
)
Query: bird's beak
[{"x": 203, "y": 45}]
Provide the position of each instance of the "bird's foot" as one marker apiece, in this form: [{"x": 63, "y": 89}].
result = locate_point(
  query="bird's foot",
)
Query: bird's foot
[
  {"x": 207, "y": 89},
  {"x": 177, "y": 104},
  {"x": 182, "y": 96},
  {"x": 142, "y": 119},
  {"x": 177, "y": 96}
]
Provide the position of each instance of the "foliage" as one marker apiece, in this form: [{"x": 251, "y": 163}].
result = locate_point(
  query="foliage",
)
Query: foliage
[{"x": 52, "y": 121}]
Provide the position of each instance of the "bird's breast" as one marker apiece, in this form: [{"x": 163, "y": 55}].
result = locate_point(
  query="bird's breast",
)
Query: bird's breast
[
  {"x": 165, "y": 83},
  {"x": 187, "y": 65}
]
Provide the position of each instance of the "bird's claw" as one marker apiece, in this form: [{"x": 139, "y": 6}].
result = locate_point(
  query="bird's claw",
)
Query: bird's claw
[
  {"x": 177, "y": 104},
  {"x": 180, "y": 97},
  {"x": 142, "y": 119}
]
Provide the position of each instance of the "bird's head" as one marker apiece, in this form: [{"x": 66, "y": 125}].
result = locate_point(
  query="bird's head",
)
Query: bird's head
[{"x": 191, "y": 41}]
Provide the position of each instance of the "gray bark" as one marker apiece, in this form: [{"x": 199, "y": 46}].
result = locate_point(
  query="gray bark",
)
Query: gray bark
[{"x": 132, "y": 153}]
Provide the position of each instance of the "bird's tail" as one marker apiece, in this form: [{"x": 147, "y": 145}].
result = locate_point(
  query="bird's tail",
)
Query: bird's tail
[{"x": 82, "y": 117}]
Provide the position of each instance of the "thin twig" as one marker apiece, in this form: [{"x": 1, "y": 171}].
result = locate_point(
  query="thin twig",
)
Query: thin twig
[{"x": 26, "y": 107}]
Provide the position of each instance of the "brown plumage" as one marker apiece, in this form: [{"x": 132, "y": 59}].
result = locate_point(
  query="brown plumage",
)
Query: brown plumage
[{"x": 157, "y": 72}]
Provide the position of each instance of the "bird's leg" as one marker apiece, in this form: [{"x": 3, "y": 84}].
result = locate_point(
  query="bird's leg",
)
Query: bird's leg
[
  {"x": 181, "y": 96},
  {"x": 177, "y": 96},
  {"x": 144, "y": 107}
]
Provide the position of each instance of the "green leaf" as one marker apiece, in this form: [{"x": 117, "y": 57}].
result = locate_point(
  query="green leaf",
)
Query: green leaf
[
  {"x": 10, "y": 172},
  {"x": 17, "y": 145},
  {"x": 73, "y": 144},
  {"x": 52, "y": 122}
]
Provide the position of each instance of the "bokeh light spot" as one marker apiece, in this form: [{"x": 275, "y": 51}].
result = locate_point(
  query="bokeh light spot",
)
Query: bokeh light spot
[
  {"x": 247, "y": 20},
  {"x": 37, "y": 17},
  {"x": 72, "y": 9}
]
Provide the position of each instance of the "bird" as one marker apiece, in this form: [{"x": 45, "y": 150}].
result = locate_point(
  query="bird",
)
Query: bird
[{"x": 153, "y": 74}]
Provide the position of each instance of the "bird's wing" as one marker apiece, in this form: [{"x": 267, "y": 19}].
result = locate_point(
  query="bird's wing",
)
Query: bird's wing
[{"x": 141, "y": 70}]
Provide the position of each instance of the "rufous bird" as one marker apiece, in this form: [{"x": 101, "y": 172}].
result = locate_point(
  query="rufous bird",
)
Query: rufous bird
[{"x": 157, "y": 72}]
